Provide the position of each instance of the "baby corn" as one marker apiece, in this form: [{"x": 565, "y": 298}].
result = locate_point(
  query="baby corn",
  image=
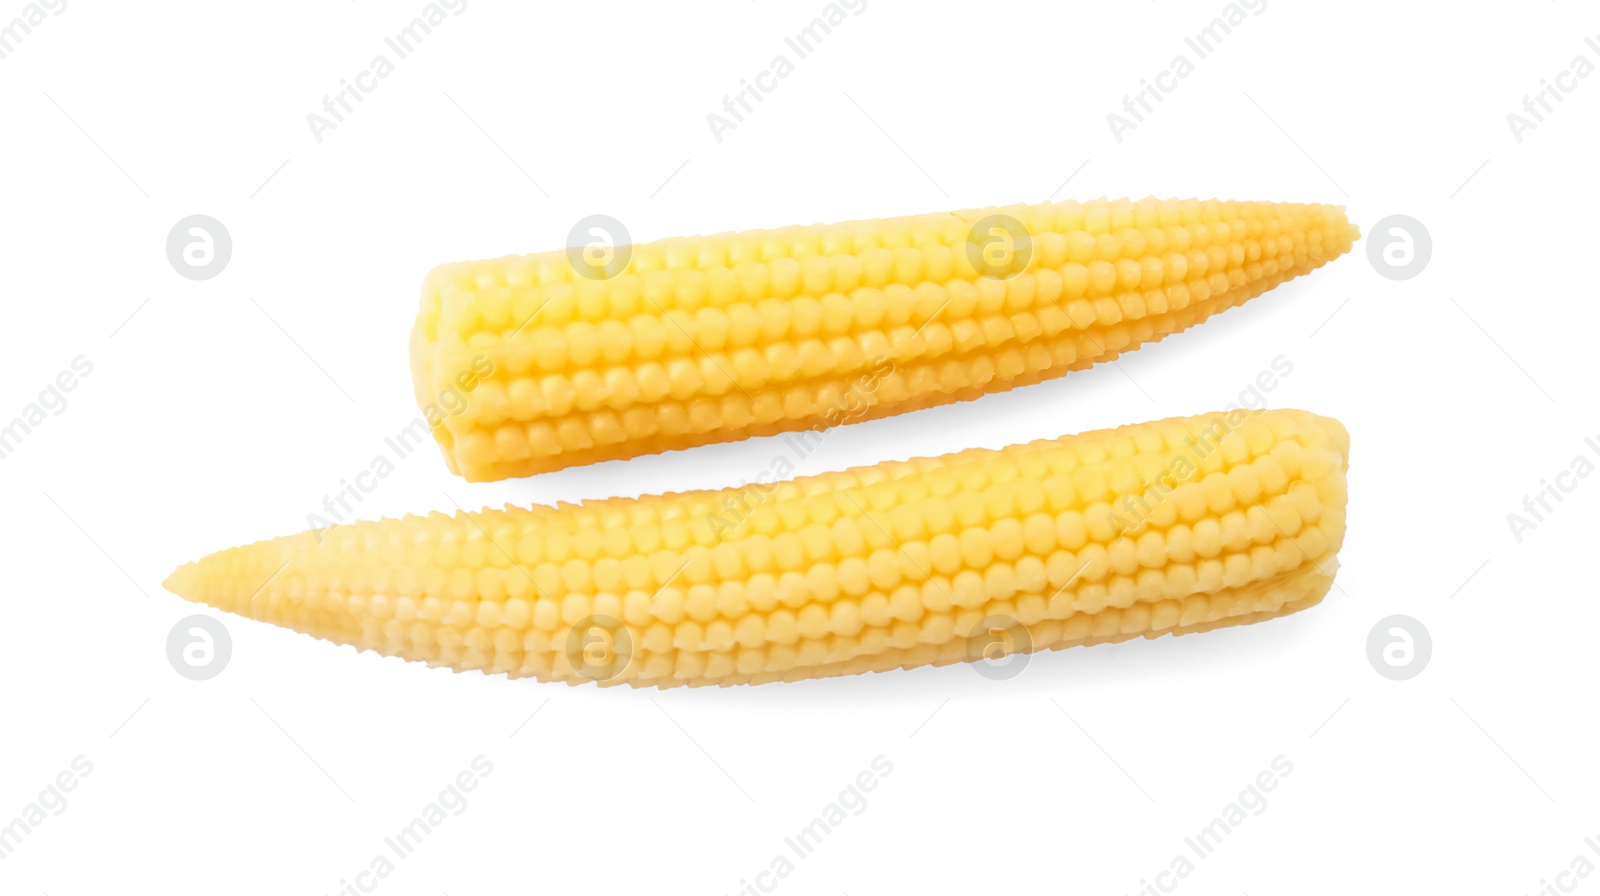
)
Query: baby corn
[
  {"x": 685, "y": 342},
  {"x": 1158, "y": 528}
]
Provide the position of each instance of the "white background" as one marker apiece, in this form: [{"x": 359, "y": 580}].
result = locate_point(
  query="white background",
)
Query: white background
[{"x": 207, "y": 422}]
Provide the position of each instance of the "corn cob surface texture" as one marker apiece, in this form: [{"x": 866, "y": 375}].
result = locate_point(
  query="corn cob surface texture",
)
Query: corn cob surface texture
[
  {"x": 1158, "y": 528},
  {"x": 527, "y": 364}
]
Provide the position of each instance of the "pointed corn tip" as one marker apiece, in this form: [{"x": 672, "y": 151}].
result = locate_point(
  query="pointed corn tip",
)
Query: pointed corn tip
[{"x": 184, "y": 581}]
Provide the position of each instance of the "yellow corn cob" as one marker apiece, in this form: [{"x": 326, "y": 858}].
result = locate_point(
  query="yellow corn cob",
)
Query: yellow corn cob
[
  {"x": 1168, "y": 527},
  {"x": 525, "y": 364}
]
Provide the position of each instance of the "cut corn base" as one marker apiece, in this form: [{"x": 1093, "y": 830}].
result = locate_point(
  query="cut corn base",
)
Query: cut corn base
[
  {"x": 1159, "y": 528},
  {"x": 714, "y": 339}
]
